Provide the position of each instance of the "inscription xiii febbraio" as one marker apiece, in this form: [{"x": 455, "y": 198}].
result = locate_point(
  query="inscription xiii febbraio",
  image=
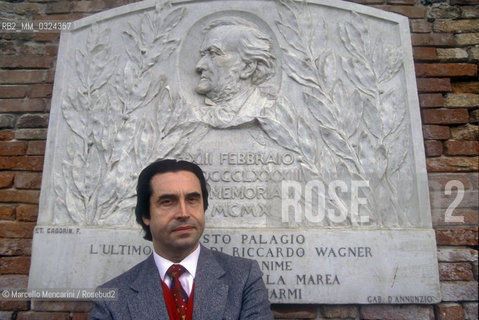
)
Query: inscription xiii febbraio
[{"x": 246, "y": 185}]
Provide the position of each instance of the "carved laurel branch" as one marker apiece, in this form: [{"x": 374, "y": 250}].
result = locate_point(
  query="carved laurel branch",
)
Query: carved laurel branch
[
  {"x": 355, "y": 143},
  {"x": 97, "y": 183}
]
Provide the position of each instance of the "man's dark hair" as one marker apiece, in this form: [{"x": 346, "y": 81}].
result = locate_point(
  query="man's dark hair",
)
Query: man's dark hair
[{"x": 144, "y": 188}]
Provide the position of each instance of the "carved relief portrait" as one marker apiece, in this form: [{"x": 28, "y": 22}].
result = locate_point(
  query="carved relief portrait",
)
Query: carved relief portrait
[{"x": 236, "y": 59}]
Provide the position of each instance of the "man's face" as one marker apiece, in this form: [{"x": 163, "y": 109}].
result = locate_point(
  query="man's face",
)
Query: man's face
[
  {"x": 220, "y": 64},
  {"x": 177, "y": 217}
]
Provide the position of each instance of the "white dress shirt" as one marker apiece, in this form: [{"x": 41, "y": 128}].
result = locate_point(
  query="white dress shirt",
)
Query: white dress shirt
[{"x": 189, "y": 263}]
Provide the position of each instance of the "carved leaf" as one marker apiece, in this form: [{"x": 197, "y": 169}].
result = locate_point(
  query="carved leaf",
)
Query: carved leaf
[
  {"x": 276, "y": 131},
  {"x": 372, "y": 119},
  {"x": 392, "y": 110},
  {"x": 350, "y": 118},
  {"x": 320, "y": 110},
  {"x": 147, "y": 31},
  {"x": 327, "y": 165},
  {"x": 398, "y": 149},
  {"x": 327, "y": 65},
  {"x": 318, "y": 36},
  {"x": 355, "y": 36},
  {"x": 300, "y": 71},
  {"x": 172, "y": 19},
  {"x": 308, "y": 141},
  {"x": 131, "y": 45},
  {"x": 336, "y": 143}
]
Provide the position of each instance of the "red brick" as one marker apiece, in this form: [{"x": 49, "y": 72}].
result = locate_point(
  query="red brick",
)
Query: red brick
[
  {"x": 77, "y": 306},
  {"x": 455, "y": 271},
  {"x": 14, "y": 265},
  {"x": 420, "y": 26},
  {"x": 59, "y": 7},
  {"x": 36, "y": 148},
  {"x": 7, "y": 213},
  {"x": 12, "y": 91},
  {"x": 438, "y": 181},
  {"x": 445, "y": 116},
  {"x": 29, "y": 163},
  {"x": 448, "y": 311},
  {"x": 457, "y": 237},
  {"x": 43, "y": 316},
  {"x": 434, "y": 40},
  {"x": 446, "y": 70},
  {"x": 22, "y": 105},
  {"x": 50, "y": 76},
  {"x": 284, "y": 311},
  {"x": 454, "y": 164},
  {"x": 22, "y": 76},
  {"x": 20, "y": 196},
  {"x": 396, "y": 312},
  {"x": 88, "y": 6},
  {"x": 441, "y": 200},
  {"x": 408, "y": 11},
  {"x": 14, "y": 281},
  {"x": 16, "y": 229},
  {"x": 433, "y": 85},
  {"x": 28, "y": 180},
  {"x": 431, "y": 100},
  {"x": 51, "y": 50},
  {"x": 461, "y": 148},
  {"x": 27, "y": 213},
  {"x": 436, "y": 132},
  {"x": 47, "y": 36},
  {"x": 433, "y": 148},
  {"x": 40, "y": 91},
  {"x": 14, "y": 305},
  {"x": 59, "y": 17},
  {"x": 12, "y": 148},
  {"x": 424, "y": 53},
  {"x": 26, "y": 62},
  {"x": 33, "y": 121},
  {"x": 15, "y": 247},
  {"x": 6, "y": 178},
  {"x": 7, "y": 135},
  {"x": 80, "y": 316},
  {"x": 469, "y": 217}
]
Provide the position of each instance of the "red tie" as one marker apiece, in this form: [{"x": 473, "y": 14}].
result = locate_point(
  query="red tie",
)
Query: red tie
[{"x": 179, "y": 294}]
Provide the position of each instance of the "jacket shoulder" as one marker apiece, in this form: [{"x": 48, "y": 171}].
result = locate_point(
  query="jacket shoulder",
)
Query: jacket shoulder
[{"x": 126, "y": 278}]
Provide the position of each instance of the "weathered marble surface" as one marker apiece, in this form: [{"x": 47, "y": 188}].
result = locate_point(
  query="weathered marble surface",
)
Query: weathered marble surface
[{"x": 321, "y": 136}]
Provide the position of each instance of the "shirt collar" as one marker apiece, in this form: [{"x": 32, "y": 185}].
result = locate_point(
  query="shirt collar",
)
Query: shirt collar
[{"x": 189, "y": 263}]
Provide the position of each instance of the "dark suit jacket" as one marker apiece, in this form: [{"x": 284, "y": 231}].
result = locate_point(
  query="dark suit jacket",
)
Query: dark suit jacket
[{"x": 226, "y": 287}]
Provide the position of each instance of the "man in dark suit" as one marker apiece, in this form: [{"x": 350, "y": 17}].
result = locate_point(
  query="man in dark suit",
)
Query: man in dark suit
[{"x": 182, "y": 279}]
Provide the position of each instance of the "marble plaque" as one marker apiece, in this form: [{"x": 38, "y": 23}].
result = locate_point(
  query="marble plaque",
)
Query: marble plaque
[{"x": 304, "y": 116}]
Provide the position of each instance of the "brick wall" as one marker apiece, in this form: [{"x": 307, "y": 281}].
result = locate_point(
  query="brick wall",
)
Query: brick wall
[{"x": 445, "y": 38}]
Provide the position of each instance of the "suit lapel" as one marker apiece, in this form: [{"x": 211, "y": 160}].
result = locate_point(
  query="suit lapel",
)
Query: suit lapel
[
  {"x": 211, "y": 291},
  {"x": 149, "y": 302}
]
